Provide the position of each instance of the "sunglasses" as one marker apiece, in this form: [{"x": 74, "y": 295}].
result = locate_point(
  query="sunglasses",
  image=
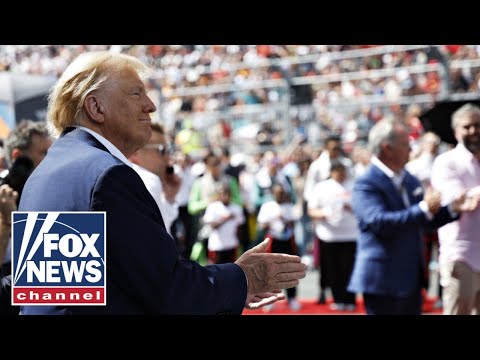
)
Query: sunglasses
[{"x": 162, "y": 149}]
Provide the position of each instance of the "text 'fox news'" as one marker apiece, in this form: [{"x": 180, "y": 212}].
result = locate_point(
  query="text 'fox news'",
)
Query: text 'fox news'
[{"x": 58, "y": 258}]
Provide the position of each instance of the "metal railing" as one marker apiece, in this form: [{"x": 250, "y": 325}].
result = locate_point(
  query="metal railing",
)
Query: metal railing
[
  {"x": 305, "y": 59},
  {"x": 283, "y": 110}
]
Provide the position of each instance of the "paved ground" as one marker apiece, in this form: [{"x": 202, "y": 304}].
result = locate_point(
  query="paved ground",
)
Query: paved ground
[{"x": 308, "y": 287}]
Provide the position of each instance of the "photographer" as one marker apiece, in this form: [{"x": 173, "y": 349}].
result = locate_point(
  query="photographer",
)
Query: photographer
[{"x": 25, "y": 147}]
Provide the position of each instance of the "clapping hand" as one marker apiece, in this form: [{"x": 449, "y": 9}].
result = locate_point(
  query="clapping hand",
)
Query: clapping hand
[
  {"x": 464, "y": 203},
  {"x": 8, "y": 200},
  {"x": 433, "y": 199}
]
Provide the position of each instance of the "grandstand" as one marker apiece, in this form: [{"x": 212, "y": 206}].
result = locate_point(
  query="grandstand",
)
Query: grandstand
[{"x": 329, "y": 88}]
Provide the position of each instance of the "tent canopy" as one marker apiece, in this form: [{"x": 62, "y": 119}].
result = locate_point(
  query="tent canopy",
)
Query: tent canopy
[
  {"x": 22, "y": 96},
  {"x": 15, "y": 88},
  {"x": 438, "y": 119}
]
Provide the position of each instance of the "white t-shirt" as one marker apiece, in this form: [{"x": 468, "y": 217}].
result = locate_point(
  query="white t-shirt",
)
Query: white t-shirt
[
  {"x": 273, "y": 214},
  {"x": 153, "y": 184},
  {"x": 340, "y": 225},
  {"x": 223, "y": 237}
]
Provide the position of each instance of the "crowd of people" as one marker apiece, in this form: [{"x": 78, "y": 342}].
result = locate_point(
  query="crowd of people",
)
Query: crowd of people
[
  {"x": 180, "y": 67},
  {"x": 367, "y": 212}
]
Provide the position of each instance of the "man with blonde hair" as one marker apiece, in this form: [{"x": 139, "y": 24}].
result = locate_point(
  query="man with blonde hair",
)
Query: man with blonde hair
[{"x": 101, "y": 112}]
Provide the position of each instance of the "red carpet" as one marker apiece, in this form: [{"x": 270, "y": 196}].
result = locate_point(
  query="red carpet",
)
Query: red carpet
[{"x": 310, "y": 307}]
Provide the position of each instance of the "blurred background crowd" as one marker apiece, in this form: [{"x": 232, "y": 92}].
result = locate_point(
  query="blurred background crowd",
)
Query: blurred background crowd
[{"x": 251, "y": 124}]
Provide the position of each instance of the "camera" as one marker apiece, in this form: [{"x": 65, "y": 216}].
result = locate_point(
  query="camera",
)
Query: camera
[{"x": 16, "y": 176}]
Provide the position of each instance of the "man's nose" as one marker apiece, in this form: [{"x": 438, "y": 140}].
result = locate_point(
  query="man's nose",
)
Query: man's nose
[{"x": 149, "y": 105}]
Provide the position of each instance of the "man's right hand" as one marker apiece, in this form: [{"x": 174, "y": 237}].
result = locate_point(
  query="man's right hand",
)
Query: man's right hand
[
  {"x": 267, "y": 272},
  {"x": 433, "y": 199}
]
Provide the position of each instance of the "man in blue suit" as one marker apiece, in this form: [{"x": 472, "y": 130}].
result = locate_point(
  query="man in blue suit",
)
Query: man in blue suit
[
  {"x": 391, "y": 210},
  {"x": 100, "y": 110}
]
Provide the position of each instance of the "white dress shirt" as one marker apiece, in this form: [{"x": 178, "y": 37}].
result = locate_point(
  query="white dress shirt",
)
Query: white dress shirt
[{"x": 153, "y": 184}]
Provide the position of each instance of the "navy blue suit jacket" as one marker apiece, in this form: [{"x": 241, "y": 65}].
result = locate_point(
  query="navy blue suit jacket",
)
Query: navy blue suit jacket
[
  {"x": 390, "y": 250},
  {"x": 144, "y": 272}
]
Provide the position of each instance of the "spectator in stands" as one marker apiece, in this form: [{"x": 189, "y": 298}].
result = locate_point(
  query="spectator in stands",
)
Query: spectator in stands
[
  {"x": 100, "y": 109},
  {"x": 189, "y": 139}
]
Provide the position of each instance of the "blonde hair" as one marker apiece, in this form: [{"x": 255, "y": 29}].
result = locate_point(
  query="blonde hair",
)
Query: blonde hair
[{"x": 88, "y": 72}]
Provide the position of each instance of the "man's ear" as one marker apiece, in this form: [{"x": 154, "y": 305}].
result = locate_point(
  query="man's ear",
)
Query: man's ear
[
  {"x": 16, "y": 152},
  {"x": 94, "y": 109}
]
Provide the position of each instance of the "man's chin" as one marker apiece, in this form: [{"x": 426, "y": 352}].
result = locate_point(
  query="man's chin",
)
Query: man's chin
[
  {"x": 473, "y": 147},
  {"x": 148, "y": 135}
]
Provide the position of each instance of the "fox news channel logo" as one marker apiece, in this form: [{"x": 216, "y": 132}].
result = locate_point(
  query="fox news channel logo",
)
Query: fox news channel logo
[{"x": 58, "y": 258}]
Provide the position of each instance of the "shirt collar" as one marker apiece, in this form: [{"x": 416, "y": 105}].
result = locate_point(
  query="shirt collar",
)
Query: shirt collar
[
  {"x": 145, "y": 173},
  {"x": 110, "y": 147},
  {"x": 396, "y": 178}
]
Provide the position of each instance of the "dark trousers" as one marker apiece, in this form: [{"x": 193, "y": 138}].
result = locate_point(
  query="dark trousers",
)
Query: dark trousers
[
  {"x": 184, "y": 231},
  {"x": 286, "y": 247},
  {"x": 223, "y": 256},
  {"x": 244, "y": 232},
  {"x": 392, "y": 305},
  {"x": 336, "y": 267}
]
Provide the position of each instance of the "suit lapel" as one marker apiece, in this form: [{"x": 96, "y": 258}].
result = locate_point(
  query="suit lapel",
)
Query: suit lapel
[{"x": 387, "y": 185}]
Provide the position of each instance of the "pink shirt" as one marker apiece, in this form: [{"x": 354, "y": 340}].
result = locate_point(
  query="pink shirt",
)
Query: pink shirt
[{"x": 454, "y": 171}]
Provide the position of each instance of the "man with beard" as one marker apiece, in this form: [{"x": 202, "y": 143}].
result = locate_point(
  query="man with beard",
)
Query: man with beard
[{"x": 454, "y": 172}]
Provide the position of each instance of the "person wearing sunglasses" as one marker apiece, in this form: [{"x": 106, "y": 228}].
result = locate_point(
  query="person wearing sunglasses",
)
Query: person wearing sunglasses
[{"x": 154, "y": 164}]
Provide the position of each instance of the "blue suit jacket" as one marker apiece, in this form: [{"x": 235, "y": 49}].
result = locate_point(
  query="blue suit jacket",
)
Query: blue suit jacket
[
  {"x": 144, "y": 272},
  {"x": 390, "y": 250}
]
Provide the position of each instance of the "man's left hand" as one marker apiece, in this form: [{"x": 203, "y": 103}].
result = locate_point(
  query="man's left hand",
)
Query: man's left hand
[{"x": 257, "y": 301}]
